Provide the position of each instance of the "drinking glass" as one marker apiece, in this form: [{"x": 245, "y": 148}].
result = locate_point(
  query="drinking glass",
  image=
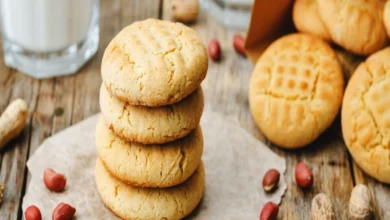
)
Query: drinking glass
[
  {"x": 47, "y": 38},
  {"x": 232, "y": 13}
]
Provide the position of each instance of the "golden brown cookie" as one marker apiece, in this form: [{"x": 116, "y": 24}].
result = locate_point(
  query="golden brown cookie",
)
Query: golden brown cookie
[
  {"x": 356, "y": 25},
  {"x": 149, "y": 165},
  {"x": 366, "y": 115},
  {"x": 386, "y": 17},
  {"x": 306, "y": 19},
  {"x": 154, "y": 63},
  {"x": 130, "y": 202},
  {"x": 296, "y": 89},
  {"x": 151, "y": 125}
]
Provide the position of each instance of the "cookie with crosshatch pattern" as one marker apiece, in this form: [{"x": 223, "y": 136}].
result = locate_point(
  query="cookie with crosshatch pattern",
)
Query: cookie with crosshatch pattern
[
  {"x": 296, "y": 89},
  {"x": 154, "y": 63},
  {"x": 365, "y": 115},
  {"x": 129, "y": 202}
]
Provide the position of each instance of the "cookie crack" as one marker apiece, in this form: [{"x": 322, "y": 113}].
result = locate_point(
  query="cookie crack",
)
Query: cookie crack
[
  {"x": 369, "y": 112},
  {"x": 183, "y": 159},
  {"x": 279, "y": 96}
]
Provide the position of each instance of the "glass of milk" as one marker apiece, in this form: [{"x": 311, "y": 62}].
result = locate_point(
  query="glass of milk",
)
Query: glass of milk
[
  {"x": 47, "y": 38},
  {"x": 232, "y": 13}
]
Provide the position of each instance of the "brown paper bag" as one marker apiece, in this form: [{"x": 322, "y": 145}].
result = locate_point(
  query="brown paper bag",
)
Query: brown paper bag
[{"x": 269, "y": 20}]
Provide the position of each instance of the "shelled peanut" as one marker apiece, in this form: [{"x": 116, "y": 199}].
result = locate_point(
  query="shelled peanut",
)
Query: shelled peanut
[
  {"x": 32, "y": 213},
  {"x": 63, "y": 212},
  {"x": 271, "y": 180},
  {"x": 54, "y": 181},
  {"x": 12, "y": 121},
  {"x": 303, "y": 175},
  {"x": 269, "y": 211}
]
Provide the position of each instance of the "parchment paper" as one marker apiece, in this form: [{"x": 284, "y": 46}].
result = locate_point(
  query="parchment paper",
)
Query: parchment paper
[{"x": 234, "y": 160}]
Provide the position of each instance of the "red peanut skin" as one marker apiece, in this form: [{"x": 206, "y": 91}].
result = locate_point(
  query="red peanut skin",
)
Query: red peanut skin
[
  {"x": 63, "y": 212},
  {"x": 303, "y": 175},
  {"x": 214, "y": 50},
  {"x": 239, "y": 44},
  {"x": 54, "y": 181},
  {"x": 32, "y": 213},
  {"x": 267, "y": 178},
  {"x": 269, "y": 211}
]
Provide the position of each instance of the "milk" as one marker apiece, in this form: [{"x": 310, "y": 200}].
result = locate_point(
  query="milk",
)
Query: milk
[{"x": 46, "y": 25}]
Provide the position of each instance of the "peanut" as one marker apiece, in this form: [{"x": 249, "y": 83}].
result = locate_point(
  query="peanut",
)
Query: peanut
[
  {"x": 303, "y": 175},
  {"x": 269, "y": 212},
  {"x": 63, "y": 212},
  {"x": 12, "y": 121},
  {"x": 271, "y": 180},
  {"x": 32, "y": 213},
  {"x": 239, "y": 44},
  {"x": 359, "y": 203},
  {"x": 185, "y": 10},
  {"x": 321, "y": 208},
  {"x": 54, "y": 181},
  {"x": 214, "y": 50}
]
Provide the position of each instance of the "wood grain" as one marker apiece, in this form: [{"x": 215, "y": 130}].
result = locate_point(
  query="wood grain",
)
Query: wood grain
[{"x": 57, "y": 103}]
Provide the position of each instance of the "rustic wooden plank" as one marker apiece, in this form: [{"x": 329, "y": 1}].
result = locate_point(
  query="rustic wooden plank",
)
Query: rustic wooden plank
[
  {"x": 226, "y": 89},
  {"x": 13, "y": 168},
  {"x": 53, "y": 110}
]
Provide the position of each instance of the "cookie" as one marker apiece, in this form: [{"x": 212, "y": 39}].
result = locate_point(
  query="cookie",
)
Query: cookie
[
  {"x": 365, "y": 115},
  {"x": 154, "y": 63},
  {"x": 386, "y": 17},
  {"x": 295, "y": 90},
  {"x": 306, "y": 19},
  {"x": 356, "y": 25},
  {"x": 130, "y": 202},
  {"x": 149, "y": 165},
  {"x": 151, "y": 125}
]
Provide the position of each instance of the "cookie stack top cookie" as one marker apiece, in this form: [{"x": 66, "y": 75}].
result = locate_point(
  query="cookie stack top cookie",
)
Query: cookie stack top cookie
[{"x": 154, "y": 63}]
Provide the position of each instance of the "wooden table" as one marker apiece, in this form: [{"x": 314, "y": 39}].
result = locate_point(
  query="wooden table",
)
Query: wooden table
[{"x": 57, "y": 103}]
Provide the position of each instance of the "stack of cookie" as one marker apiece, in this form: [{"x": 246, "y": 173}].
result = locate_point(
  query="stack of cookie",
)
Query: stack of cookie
[{"x": 148, "y": 139}]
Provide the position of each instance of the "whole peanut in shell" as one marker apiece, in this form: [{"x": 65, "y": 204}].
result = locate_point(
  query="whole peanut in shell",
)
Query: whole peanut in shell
[
  {"x": 322, "y": 208},
  {"x": 185, "y": 11},
  {"x": 360, "y": 203},
  {"x": 12, "y": 121}
]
